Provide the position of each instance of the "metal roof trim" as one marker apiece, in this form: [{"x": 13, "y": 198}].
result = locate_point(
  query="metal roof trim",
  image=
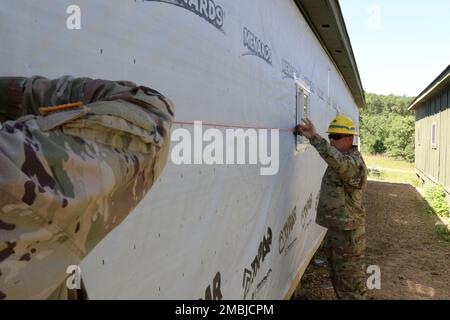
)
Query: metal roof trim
[
  {"x": 441, "y": 79},
  {"x": 343, "y": 57}
]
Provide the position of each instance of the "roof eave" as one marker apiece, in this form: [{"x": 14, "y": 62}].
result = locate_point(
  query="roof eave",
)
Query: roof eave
[
  {"x": 437, "y": 84},
  {"x": 326, "y": 21}
]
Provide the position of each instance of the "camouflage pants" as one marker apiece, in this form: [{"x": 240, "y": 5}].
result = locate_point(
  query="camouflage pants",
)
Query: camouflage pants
[{"x": 346, "y": 259}]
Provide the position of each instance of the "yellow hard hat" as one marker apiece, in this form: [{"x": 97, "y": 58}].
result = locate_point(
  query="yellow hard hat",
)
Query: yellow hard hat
[{"x": 343, "y": 125}]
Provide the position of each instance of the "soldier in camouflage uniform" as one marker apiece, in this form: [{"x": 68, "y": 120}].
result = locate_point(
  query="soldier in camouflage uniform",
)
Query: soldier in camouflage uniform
[
  {"x": 340, "y": 205},
  {"x": 71, "y": 175}
]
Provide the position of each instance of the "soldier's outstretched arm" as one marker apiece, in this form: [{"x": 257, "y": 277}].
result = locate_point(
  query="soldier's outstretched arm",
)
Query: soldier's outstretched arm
[
  {"x": 20, "y": 96},
  {"x": 344, "y": 165},
  {"x": 68, "y": 178}
]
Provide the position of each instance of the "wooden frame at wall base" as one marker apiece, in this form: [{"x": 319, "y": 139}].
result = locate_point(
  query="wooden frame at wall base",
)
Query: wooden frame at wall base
[{"x": 303, "y": 267}]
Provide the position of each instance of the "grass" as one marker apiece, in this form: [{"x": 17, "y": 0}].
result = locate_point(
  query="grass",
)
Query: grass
[
  {"x": 386, "y": 162},
  {"x": 442, "y": 227},
  {"x": 436, "y": 198},
  {"x": 401, "y": 177},
  {"x": 443, "y": 232},
  {"x": 437, "y": 205},
  {"x": 391, "y": 170}
]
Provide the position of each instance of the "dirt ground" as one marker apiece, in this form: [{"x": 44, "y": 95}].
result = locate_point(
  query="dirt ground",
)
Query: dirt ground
[{"x": 401, "y": 240}]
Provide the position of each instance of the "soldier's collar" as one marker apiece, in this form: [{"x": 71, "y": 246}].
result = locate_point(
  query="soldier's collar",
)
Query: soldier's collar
[{"x": 351, "y": 150}]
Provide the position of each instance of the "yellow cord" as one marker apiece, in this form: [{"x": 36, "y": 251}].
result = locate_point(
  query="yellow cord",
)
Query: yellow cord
[{"x": 61, "y": 107}]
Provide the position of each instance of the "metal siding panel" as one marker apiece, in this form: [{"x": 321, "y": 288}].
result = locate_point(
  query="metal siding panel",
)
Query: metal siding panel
[
  {"x": 427, "y": 141},
  {"x": 438, "y": 139},
  {"x": 448, "y": 98},
  {"x": 424, "y": 139},
  {"x": 444, "y": 152},
  {"x": 433, "y": 160},
  {"x": 419, "y": 151},
  {"x": 443, "y": 100},
  {"x": 445, "y": 138},
  {"x": 442, "y": 145},
  {"x": 447, "y": 151},
  {"x": 438, "y": 100},
  {"x": 417, "y": 147},
  {"x": 434, "y": 156},
  {"x": 429, "y": 149},
  {"x": 436, "y": 103},
  {"x": 422, "y": 149},
  {"x": 432, "y": 153}
]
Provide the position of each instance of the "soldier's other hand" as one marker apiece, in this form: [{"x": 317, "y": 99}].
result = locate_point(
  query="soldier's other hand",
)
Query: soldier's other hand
[{"x": 306, "y": 128}]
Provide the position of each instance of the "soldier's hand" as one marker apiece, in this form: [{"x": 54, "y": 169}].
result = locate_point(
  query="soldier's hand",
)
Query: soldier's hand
[{"x": 306, "y": 128}]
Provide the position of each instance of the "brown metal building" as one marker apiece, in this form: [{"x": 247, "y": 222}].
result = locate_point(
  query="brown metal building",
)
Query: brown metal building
[{"x": 432, "y": 140}]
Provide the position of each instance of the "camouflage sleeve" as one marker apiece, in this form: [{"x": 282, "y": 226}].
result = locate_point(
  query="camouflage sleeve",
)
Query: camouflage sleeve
[
  {"x": 21, "y": 96},
  {"x": 11, "y": 92},
  {"x": 344, "y": 165},
  {"x": 68, "y": 178}
]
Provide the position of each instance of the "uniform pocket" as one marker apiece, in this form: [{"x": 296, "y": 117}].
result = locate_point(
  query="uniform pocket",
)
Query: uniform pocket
[
  {"x": 356, "y": 239},
  {"x": 52, "y": 121},
  {"x": 118, "y": 124}
]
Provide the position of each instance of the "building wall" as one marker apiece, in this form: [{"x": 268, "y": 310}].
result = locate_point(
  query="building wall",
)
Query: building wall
[{"x": 434, "y": 162}]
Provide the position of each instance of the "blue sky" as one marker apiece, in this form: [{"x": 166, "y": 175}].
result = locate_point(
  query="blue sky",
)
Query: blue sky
[{"x": 400, "y": 46}]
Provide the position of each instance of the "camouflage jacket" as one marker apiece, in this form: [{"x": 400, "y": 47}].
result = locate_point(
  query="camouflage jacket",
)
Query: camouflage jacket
[
  {"x": 69, "y": 177},
  {"x": 340, "y": 201}
]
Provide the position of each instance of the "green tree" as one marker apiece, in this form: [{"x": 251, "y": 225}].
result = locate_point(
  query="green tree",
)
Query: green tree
[
  {"x": 373, "y": 133},
  {"x": 387, "y": 126},
  {"x": 400, "y": 141}
]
